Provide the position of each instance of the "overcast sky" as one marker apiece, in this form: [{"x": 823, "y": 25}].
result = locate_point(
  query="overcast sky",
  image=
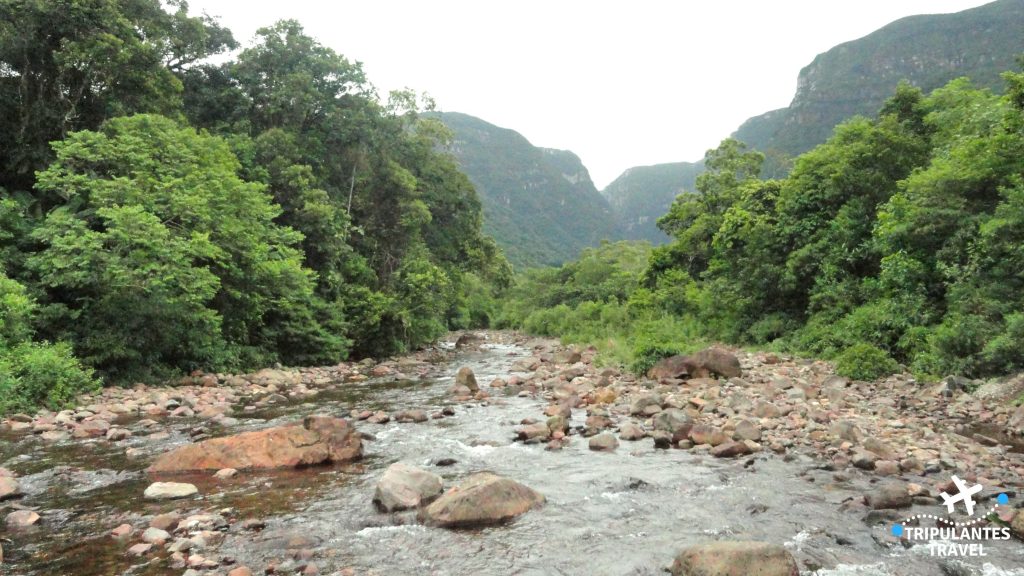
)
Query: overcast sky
[{"x": 621, "y": 84}]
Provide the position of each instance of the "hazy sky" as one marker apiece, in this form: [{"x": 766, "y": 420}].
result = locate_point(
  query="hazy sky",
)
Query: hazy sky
[{"x": 619, "y": 83}]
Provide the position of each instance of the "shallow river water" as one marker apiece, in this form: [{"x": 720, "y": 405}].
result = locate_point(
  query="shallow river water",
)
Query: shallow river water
[{"x": 621, "y": 513}]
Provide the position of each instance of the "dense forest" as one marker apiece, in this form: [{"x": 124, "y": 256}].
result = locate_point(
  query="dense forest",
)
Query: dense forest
[
  {"x": 160, "y": 213},
  {"x": 898, "y": 241}
]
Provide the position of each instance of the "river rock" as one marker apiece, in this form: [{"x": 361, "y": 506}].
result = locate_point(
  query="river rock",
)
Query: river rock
[
  {"x": 673, "y": 367},
  {"x": 631, "y": 432},
  {"x": 846, "y": 430},
  {"x": 140, "y": 549},
  {"x": 481, "y": 499},
  {"x": 156, "y": 536},
  {"x": 730, "y": 449},
  {"x": 225, "y": 474},
  {"x": 705, "y": 434},
  {"x": 604, "y": 442},
  {"x": 465, "y": 378},
  {"x": 318, "y": 440},
  {"x": 674, "y": 421},
  {"x": 537, "y": 431},
  {"x": 888, "y": 495},
  {"x": 642, "y": 404},
  {"x": 169, "y": 490},
  {"x": 735, "y": 559},
  {"x": 403, "y": 486},
  {"x": 747, "y": 430},
  {"x": 21, "y": 519},
  {"x": 9, "y": 488}
]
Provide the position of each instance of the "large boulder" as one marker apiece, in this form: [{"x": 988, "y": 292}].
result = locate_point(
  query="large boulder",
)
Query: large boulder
[
  {"x": 316, "y": 440},
  {"x": 482, "y": 499},
  {"x": 708, "y": 362},
  {"x": 403, "y": 486},
  {"x": 735, "y": 559}
]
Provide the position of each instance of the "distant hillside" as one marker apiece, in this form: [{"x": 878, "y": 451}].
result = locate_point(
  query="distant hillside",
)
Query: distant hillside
[
  {"x": 856, "y": 77},
  {"x": 642, "y": 194},
  {"x": 539, "y": 204}
]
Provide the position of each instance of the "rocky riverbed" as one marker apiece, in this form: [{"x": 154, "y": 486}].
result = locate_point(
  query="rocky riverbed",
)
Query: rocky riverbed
[{"x": 505, "y": 455}]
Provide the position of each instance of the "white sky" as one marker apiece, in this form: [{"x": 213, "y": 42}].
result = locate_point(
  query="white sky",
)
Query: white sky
[{"x": 621, "y": 84}]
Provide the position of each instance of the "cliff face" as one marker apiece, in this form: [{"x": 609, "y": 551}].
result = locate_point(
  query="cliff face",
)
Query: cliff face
[
  {"x": 539, "y": 204},
  {"x": 858, "y": 76},
  {"x": 640, "y": 195}
]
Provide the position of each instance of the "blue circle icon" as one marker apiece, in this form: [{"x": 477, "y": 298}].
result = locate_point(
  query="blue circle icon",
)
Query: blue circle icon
[
  {"x": 897, "y": 530},
  {"x": 1003, "y": 499}
]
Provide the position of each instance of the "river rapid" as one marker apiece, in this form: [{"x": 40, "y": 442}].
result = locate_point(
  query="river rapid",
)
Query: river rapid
[{"x": 627, "y": 512}]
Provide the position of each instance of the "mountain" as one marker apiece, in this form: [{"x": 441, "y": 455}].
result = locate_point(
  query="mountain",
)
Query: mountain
[
  {"x": 850, "y": 79},
  {"x": 858, "y": 76},
  {"x": 640, "y": 195},
  {"x": 539, "y": 204}
]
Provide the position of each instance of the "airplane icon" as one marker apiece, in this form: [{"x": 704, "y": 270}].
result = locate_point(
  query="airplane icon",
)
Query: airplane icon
[{"x": 964, "y": 495}]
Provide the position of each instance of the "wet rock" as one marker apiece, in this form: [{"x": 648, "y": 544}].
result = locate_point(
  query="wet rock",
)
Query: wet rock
[
  {"x": 734, "y": 559},
  {"x": 631, "y": 432},
  {"x": 414, "y": 416},
  {"x": 888, "y": 495},
  {"x": 91, "y": 429},
  {"x": 864, "y": 460},
  {"x": 537, "y": 431},
  {"x": 318, "y": 440},
  {"x": 730, "y": 449},
  {"x": 675, "y": 422},
  {"x": 225, "y": 473},
  {"x": 705, "y": 434},
  {"x": 169, "y": 491},
  {"x": 118, "y": 434},
  {"x": 9, "y": 488},
  {"x": 446, "y": 462},
  {"x": 481, "y": 499},
  {"x": 596, "y": 423},
  {"x": 604, "y": 442},
  {"x": 662, "y": 439},
  {"x": 403, "y": 486},
  {"x": 466, "y": 379},
  {"x": 21, "y": 519}
]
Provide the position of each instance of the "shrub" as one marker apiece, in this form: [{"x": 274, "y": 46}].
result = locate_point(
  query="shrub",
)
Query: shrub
[
  {"x": 865, "y": 362},
  {"x": 36, "y": 374}
]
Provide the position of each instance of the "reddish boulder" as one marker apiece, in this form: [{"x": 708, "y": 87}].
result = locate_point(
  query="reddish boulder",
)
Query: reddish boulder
[
  {"x": 708, "y": 362},
  {"x": 317, "y": 440}
]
